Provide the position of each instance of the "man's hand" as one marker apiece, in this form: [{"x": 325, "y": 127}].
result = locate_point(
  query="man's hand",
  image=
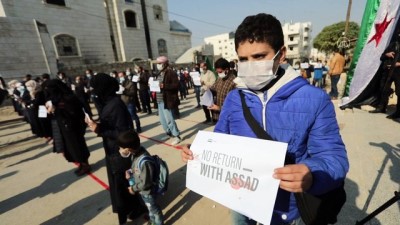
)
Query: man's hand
[
  {"x": 186, "y": 153},
  {"x": 294, "y": 177},
  {"x": 131, "y": 191},
  {"x": 92, "y": 125},
  {"x": 390, "y": 55},
  {"x": 214, "y": 107}
]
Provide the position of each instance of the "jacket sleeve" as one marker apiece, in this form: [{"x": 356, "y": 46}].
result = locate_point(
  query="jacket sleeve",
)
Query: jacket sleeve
[
  {"x": 327, "y": 159},
  {"x": 171, "y": 81},
  {"x": 129, "y": 89}
]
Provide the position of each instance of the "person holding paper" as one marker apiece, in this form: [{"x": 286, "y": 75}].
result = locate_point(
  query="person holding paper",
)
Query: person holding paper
[
  {"x": 289, "y": 110},
  {"x": 128, "y": 98},
  {"x": 70, "y": 123},
  {"x": 207, "y": 79}
]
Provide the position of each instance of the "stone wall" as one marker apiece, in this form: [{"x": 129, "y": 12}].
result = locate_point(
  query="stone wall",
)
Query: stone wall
[{"x": 105, "y": 68}]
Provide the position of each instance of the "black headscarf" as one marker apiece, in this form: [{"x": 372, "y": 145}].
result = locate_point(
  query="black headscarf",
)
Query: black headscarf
[
  {"x": 104, "y": 86},
  {"x": 55, "y": 90}
]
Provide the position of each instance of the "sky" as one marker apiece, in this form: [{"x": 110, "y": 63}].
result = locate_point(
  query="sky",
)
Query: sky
[{"x": 212, "y": 17}]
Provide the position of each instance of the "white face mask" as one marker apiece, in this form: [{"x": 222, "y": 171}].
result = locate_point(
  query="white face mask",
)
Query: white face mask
[
  {"x": 221, "y": 75},
  {"x": 159, "y": 67},
  {"x": 121, "y": 79},
  {"x": 257, "y": 74},
  {"x": 128, "y": 72},
  {"x": 201, "y": 70},
  {"x": 124, "y": 154}
]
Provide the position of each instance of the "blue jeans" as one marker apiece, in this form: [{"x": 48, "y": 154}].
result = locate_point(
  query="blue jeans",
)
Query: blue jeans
[
  {"x": 239, "y": 219},
  {"x": 334, "y": 81},
  {"x": 197, "y": 91},
  {"x": 155, "y": 212},
  {"x": 167, "y": 120},
  {"x": 132, "y": 111}
]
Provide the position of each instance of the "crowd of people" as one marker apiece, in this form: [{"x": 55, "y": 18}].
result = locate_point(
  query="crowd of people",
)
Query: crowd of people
[{"x": 278, "y": 96}]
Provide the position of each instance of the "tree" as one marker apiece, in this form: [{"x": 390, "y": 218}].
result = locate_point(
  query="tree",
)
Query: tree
[{"x": 327, "y": 39}]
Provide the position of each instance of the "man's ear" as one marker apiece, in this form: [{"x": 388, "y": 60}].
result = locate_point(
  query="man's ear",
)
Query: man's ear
[{"x": 282, "y": 54}]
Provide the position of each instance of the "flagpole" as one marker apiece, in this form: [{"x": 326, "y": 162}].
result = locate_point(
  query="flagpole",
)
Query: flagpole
[{"x": 346, "y": 28}]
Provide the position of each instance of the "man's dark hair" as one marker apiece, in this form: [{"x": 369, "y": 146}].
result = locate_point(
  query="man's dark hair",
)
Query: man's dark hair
[
  {"x": 222, "y": 63},
  {"x": 261, "y": 28},
  {"x": 46, "y": 76},
  {"x": 232, "y": 64},
  {"x": 129, "y": 139}
]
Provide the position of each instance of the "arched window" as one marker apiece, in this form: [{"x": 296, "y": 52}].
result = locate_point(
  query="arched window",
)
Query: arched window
[
  {"x": 130, "y": 19},
  {"x": 66, "y": 45},
  {"x": 157, "y": 12},
  {"x": 162, "y": 47},
  {"x": 56, "y": 2}
]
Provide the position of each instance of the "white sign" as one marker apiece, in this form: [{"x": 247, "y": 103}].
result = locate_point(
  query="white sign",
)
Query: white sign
[
  {"x": 135, "y": 78},
  {"x": 42, "y": 113},
  {"x": 196, "y": 78},
  {"x": 207, "y": 98},
  {"x": 239, "y": 170},
  {"x": 304, "y": 65},
  {"x": 154, "y": 85}
]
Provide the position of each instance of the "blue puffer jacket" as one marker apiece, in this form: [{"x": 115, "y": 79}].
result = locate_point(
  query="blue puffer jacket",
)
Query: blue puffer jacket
[{"x": 302, "y": 116}]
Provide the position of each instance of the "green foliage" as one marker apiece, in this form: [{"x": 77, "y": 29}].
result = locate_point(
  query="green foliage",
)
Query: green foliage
[{"x": 327, "y": 39}]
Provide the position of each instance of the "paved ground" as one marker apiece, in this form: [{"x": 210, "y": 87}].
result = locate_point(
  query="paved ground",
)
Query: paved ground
[{"x": 39, "y": 187}]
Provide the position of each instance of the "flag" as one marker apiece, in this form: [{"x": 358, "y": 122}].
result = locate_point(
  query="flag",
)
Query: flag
[{"x": 377, "y": 27}]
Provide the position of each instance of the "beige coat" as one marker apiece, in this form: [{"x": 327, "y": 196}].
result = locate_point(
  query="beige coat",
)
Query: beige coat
[{"x": 336, "y": 65}]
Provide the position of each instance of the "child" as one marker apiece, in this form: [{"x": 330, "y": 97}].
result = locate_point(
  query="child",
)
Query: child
[
  {"x": 142, "y": 182},
  {"x": 289, "y": 110}
]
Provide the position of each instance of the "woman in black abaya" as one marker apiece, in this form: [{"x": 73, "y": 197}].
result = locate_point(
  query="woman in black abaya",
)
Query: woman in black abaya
[
  {"x": 70, "y": 124},
  {"x": 114, "y": 119}
]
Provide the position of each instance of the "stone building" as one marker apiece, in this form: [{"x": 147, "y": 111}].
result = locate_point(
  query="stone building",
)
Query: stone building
[{"x": 44, "y": 36}]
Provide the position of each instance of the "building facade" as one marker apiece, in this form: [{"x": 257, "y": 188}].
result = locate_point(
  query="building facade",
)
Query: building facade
[
  {"x": 44, "y": 36},
  {"x": 298, "y": 40},
  {"x": 224, "y": 45},
  {"x": 297, "y": 37}
]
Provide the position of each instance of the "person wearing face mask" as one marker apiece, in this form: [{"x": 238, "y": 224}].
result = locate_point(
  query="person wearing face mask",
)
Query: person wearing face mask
[
  {"x": 141, "y": 174},
  {"x": 207, "y": 79},
  {"x": 127, "y": 97},
  {"x": 64, "y": 78},
  {"x": 82, "y": 95},
  {"x": 114, "y": 120},
  {"x": 222, "y": 86},
  {"x": 289, "y": 110},
  {"x": 144, "y": 89},
  {"x": 168, "y": 99}
]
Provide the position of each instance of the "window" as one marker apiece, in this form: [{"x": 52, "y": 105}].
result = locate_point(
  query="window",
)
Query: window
[
  {"x": 291, "y": 48},
  {"x": 157, "y": 12},
  {"x": 56, "y": 2},
  {"x": 66, "y": 45},
  {"x": 291, "y": 38},
  {"x": 162, "y": 47},
  {"x": 130, "y": 19}
]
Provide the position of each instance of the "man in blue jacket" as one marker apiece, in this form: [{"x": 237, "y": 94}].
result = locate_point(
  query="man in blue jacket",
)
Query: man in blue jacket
[{"x": 290, "y": 110}]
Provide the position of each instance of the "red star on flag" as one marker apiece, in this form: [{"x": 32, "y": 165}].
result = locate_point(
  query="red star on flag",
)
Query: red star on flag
[{"x": 380, "y": 29}]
